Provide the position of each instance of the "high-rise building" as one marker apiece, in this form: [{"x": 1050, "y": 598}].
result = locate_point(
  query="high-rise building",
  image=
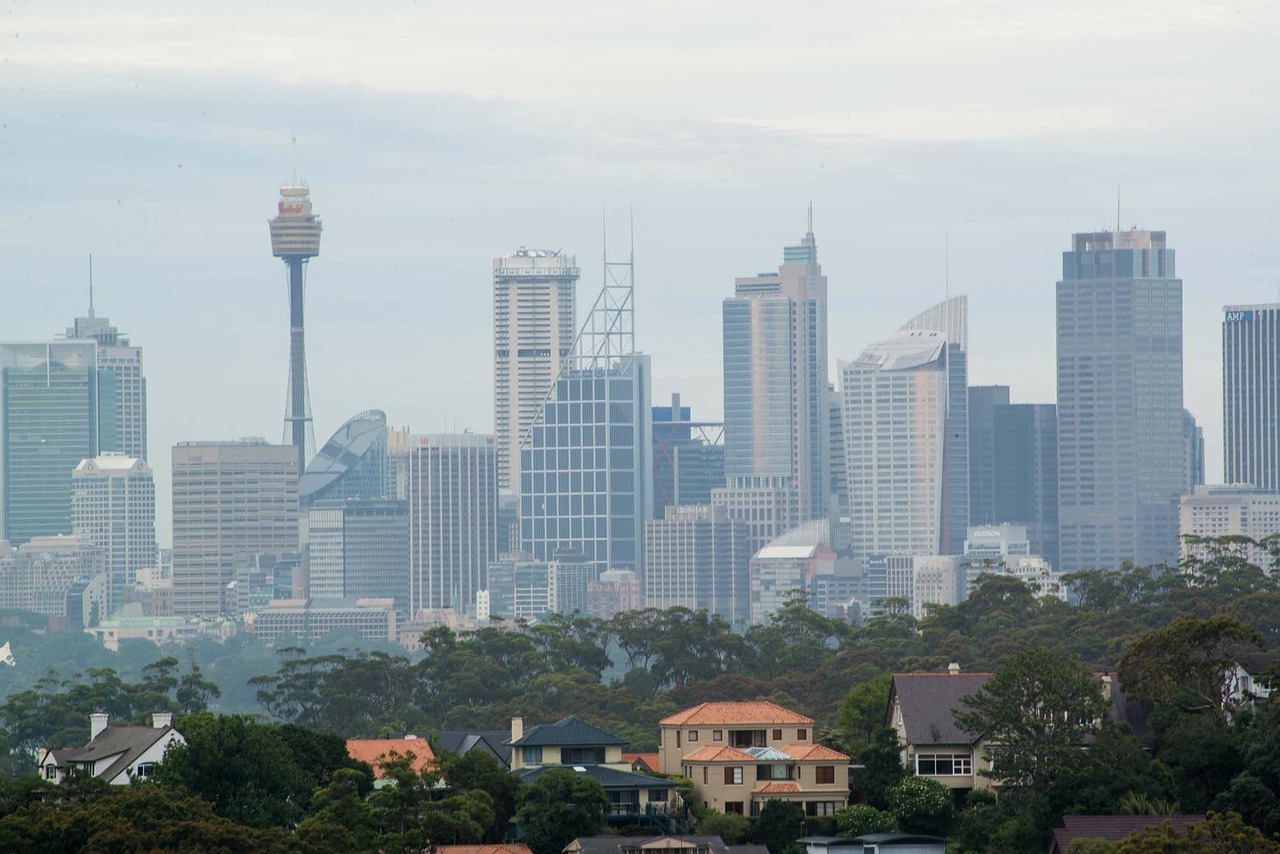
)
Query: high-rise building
[
  {"x": 896, "y": 394},
  {"x": 58, "y": 406},
  {"x": 352, "y": 464},
  {"x": 835, "y": 432},
  {"x": 232, "y": 501},
  {"x": 452, "y": 491},
  {"x": 1251, "y": 395},
  {"x": 359, "y": 548},
  {"x": 1026, "y": 473},
  {"x": 983, "y": 400},
  {"x": 776, "y": 414},
  {"x": 1193, "y": 451},
  {"x": 295, "y": 239},
  {"x": 124, "y": 361},
  {"x": 688, "y": 457},
  {"x": 113, "y": 503},
  {"x": 58, "y": 576},
  {"x": 1230, "y": 511},
  {"x": 696, "y": 557},
  {"x": 534, "y": 325},
  {"x": 616, "y": 590},
  {"x": 1120, "y": 446}
]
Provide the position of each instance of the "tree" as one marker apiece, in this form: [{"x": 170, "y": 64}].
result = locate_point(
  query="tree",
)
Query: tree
[
  {"x": 1035, "y": 713},
  {"x": 732, "y": 827},
  {"x": 881, "y": 767},
  {"x": 1217, "y": 834},
  {"x": 558, "y": 807},
  {"x": 780, "y": 824},
  {"x": 477, "y": 770},
  {"x": 922, "y": 806},
  {"x": 862, "y": 712},
  {"x": 858, "y": 819},
  {"x": 1252, "y": 800}
]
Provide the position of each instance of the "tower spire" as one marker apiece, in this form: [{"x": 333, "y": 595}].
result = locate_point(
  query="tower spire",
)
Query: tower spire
[
  {"x": 810, "y": 217},
  {"x": 91, "y": 284}
]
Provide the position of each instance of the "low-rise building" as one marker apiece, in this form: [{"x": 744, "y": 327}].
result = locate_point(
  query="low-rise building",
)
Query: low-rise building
[
  {"x": 375, "y": 751},
  {"x": 120, "y": 755},
  {"x": 312, "y": 619}
]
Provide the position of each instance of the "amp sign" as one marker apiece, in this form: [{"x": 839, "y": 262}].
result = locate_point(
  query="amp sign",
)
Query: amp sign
[{"x": 1239, "y": 316}]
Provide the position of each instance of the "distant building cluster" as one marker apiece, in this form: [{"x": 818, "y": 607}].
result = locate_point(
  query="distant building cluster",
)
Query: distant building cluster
[{"x": 882, "y": 483}]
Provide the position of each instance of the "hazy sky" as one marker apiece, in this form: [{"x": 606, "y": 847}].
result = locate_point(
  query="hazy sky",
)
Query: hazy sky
[{"x": 437, "y": 135}]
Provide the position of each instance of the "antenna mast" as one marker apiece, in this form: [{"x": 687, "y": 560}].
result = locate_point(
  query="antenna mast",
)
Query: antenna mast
[{"x": 90, "y": 284}]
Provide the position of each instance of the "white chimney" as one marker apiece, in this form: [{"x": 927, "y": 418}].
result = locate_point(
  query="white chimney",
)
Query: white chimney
[
  {"x": 517, "y": 729},
  {"x": 97, "y": 723},
  {"x": 160, "y": 720},
  {"x": 953, "y": 668}
]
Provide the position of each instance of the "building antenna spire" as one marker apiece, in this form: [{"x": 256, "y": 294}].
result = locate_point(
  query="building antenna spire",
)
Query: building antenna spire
[
  {"x": 946, "y": 262},
  {"x": 811, "y": 217},
  {"x": 90, "y": 284},
  {"x": 293, "y": 140},
  {"x": 1117, "y": 207}
]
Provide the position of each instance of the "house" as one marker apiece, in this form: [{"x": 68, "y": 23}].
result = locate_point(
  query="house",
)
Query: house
[
  {"x": 492, "y": 848},
  {"x": 1249, "y": 680},
  {"x": 375, "y": 750},
  {"x": 575, "y": 745},
  {"x": 493, "y": 742},
  {"x": 643, "y": 763},
  {"x": 1111, "y": 827},
  {"x": 875, "y": 843},
  {"x": 116, "y": 754},
  {"x": 741, "y": 755},
  {"x": 658, "y": 845}
]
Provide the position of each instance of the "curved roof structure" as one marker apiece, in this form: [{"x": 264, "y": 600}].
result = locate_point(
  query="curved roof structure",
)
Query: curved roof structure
[
  {"x": 352, "y": 464},
  {"x": 950, "y": 317}
]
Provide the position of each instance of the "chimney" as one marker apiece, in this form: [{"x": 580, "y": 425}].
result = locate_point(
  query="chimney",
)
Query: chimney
[
  {"x": 97, "y": 723},
  {"x": 1106, "y": 686},
  {"x": 517, "y": 729},
  {"x": 160, "y": 720},
  {"x": 953, "y": 669}
]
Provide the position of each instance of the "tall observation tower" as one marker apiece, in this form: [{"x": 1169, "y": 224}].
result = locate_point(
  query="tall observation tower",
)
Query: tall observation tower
[{"x": 295, "y": 238}]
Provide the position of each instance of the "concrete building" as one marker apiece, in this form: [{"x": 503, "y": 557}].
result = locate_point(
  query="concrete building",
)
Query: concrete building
[
  {"x": 983, "y": 402},
  {"x": 1251, "y": 394},
  {"x": 1193, "y": 447},
  {"x": 616, "y": 590},
  {"x": 534, "y": 324},
  {"x": 696, "y": 557},
  {"x": 359, "y": 548},
  {"x": 1229, "y": 511},
  {"x": 1006, "y": 550},
  {"x": 113, "y": 503},
  {"x": 1120, "y": 445},
  {"x": 60, "y": 577},
  {"x": 1026, "y": 473},
  {"x": 232, "y": 501},
  {"x": 309, "y": 620},
  {"x": 688, "y": 456},
  {"x": 776, "y": 415},
  {"x": 452, "y": 493},
  {"x": 779, "y": 571},
  {"x": 520, "y": 587}
]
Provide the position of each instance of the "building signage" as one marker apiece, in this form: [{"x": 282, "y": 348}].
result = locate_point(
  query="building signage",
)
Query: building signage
[{"x": 1239, "y": 316}]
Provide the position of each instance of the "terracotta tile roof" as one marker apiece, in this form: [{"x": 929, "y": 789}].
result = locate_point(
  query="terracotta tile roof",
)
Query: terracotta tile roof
[
  {"x": 813, "y": 751},
  {"x": 777, "y": 788},
  {"x": 505, "y": 848},
  {"x": 759, "y": 712},
  {"x": 372, "y": 750},
  {"x": 1113, "y": 827},
  {"x": 711, "y": 753},
  {"x": 648, "y": 760}
]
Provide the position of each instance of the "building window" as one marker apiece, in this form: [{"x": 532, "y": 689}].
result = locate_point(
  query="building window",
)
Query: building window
[
  {"x": 733, "y": 807},
  {"x": 677, "y": 738},
  {"x": 531, "y": 755},
  {"x": 582, "y": 756},
  {"x": 733, "y": 775},
  {"x": 718, "y": 735},
  {"x": 825, "y": 774},
  {"x": 51, "y": 772},
  {"x": 704, "y": 775},
  {"x": 821, "y": 807},
  {"x": 802, "y": 735},
  {"x": 657, "y": 796},
  {"x": 777, "y": 735},
  {"x": 693, "y": 736},
  {"x": 944, "y": 764},
  {"x": 144, "y": 770}
]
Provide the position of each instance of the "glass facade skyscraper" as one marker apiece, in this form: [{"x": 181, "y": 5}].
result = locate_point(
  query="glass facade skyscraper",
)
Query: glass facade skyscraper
[
  {"x": 1119, "y": 366},
  {"x": 1251, "y": 395},
  {"x": 688, "y": 457},
  {"x": 983, "y": 401},
  {"x": 1025, "y": 473}
]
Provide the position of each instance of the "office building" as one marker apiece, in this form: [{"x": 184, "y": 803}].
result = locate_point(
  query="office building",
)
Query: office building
[
  {"x": 57, "y": 407},
  {"x": 1230, "y": 511},
  {"x": 359, "y": 548},
  {"x": 1251, "y": 395},
  {"x": 452, "y": 493},
  {"x": 616, "y": 590},
  {"x": 1193, "y": 447},
  {"x": 835, "y": 433},
  {"x": 688, "y": 457},
  {"x": 1026, "y": 473},
  {"x": 352, "y": 464},
  {"x": 521, "y": 588},
  {"x": 776, "y": 415},
  {"x": 534, "y": 325},
  {"x": 232, "y": 502},
  {"x": 983, "y": 401},
  {"x": 1120, "y": 445},
  {"x": 696, "y": 557},
  {"x": 59, "y": 576},
  {"x": 113, "y": 503},
  {"x": 124, "y": 362},
  {"x": 309, "y": 620}
]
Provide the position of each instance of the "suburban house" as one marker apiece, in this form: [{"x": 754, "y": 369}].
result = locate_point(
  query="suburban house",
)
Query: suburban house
[
  {"x": 1249, "y": 681},
  {"x": 117, "y": 754},
  {"x": 875, "y": 843},
  {"x": 575, "y": 745},
  {"x": 658, "y": 845},
  {"x": 741, "y": 755},
  {"x": 375, "y": 750},
  {"x": 645, "y": 763},
  {"x": 920, "y": 710},
  {"x": 492, "y": 742},
  {"x": 1112, "y": 828},
  {"x": 488, "y": 848}
]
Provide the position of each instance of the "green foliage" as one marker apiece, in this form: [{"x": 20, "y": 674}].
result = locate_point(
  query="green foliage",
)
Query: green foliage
[
  {"x": 862, "y": 712},
  {"x": 1091, "y": 846},
  {"x": 1253, "y": 800},
  {"x": 779, "y": 825},
  {"x": 858, "y": 819},
  {"x": 731, "y": 827},
  {"x": 1217, "y": 834},
  {"x": 477, "y": 771},
  {"x": 409, "y": 815},
  {"x": 882, "y": 767},
  {"x": 922, "y": 806},
  {"x": 558, "y": 807}
]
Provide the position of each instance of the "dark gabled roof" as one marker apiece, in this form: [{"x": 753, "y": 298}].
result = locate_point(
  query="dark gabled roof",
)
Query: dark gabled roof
[
  {"x": 927, "y": 701},
  {"x": 129, "y": 742},
  {"x": 1257, "y": 663},
  {"x": 610, "y": 778},
  {"x": 494, "y": 741},
  {"x": 571, "y": 731},
  {"x": 1111, "y": 827},
  {"x": 615, "y": 844}
]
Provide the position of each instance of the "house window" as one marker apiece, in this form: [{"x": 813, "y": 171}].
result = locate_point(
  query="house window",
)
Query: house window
[
  {"x": 531, "y": 755},
  {"x": 677, "y": 738},
  {"x": 733, "y": 775},
  {"x": 733, "y": 807},
  {"x": 802, "y": 735},
  {"x": 944, "y": 764},
  {"x": 777, "y": 735},
  {"x": 51, "y": 772},
  {"x": 144, "y": 770},
  {"x": 717, "y": 735},
  {"x": 693, "y": 736},
  {"x": 825, "y": 774},
  {"x": 704, "y": 774},
  {"x": 775, "y": 771},
  {"x": 657, "y": 796},
  {"x": 820, "y": 807},
  {"x": 582, "y": 756}
]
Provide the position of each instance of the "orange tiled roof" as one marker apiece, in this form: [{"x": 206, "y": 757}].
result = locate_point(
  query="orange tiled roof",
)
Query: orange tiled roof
[
  {"x": 650, "y": 760},
  {"x": 776, "y": 787},
  {"x": 711, "y": 753},
  {"x": 504, "y": 848},
  {"x": 759, "y": 712},
  {"x": 372, "y": 750},
  {"x": 813, "y": 751}
]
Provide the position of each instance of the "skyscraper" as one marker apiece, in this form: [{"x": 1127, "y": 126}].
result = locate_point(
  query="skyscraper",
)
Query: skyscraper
[
  {"x": 1025, "y": 473},
  {"x": 232, "y": 501},
  {"x": 359, "y": 548},
  {"x": 1120, "y": 450},
  {"x": 352, "y": 464},
  {"x": 452, "y": 491},
  {"x": 113, "y": 503},
  {"x": 776, "y": 415},
  {"x": 983, "y": 401},
  {"x": 697, "y": 557},
  {"x": 1251, "y": 395},
  {"x": 295, "y": 239},
  {"x": 534, "y": 324},
  {"x": 124, "y": 361},
  {"x": 688, "y": 457},
  {"x": 58, "y": 406}
]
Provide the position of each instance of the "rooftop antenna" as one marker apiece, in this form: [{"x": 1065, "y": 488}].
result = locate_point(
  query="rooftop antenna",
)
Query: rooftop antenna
[
  {"x": 811, "y": 217},
  {"x": 1117, "y": 207},
  {"x": 293, "y": 139},
  {"x": 90, "y": 284},
  {"x": 946, "y": 262}
]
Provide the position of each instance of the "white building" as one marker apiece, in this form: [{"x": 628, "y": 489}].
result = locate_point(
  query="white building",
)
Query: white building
[
  {"x": 1231, "y": 510},
  {"x": 117, "y": 754},
  {"x": 113, "y": 503}
]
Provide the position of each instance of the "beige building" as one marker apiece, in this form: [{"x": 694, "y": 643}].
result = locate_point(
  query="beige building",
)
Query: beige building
[
  {"x": 1234, "y": 510},
  {"x": 113, "y": 503},
  {"x": 740, "y": 755},
  {"x": 231, "y": 502}
]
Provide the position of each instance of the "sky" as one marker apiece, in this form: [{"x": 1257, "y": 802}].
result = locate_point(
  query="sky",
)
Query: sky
[{"x": 947, "y": 146}]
